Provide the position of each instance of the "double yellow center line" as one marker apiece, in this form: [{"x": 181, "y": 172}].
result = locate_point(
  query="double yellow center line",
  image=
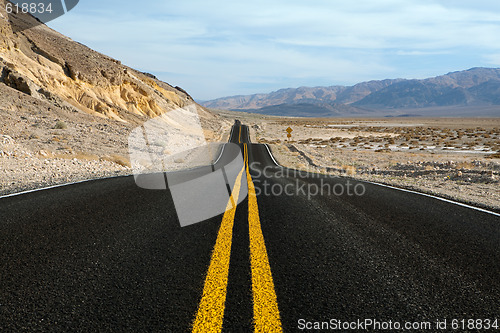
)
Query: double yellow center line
[
  {"x": 265, "y": 305},
  {"x": 210, "y": 315}
]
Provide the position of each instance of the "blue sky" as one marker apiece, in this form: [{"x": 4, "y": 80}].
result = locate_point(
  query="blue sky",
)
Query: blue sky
[{"x": 221, "y": 48}]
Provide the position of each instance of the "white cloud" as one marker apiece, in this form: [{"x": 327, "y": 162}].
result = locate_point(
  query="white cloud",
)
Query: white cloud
[{"x": 240, "y": 42}]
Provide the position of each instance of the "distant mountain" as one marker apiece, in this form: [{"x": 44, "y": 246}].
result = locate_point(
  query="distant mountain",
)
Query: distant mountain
[
  {"x": 314, "y": 109},
  {"x": 303, "y": 95},
  {"x": 476, "y": 87}
]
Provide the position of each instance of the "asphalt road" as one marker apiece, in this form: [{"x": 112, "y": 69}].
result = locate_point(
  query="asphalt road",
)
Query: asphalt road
[{"x": 107, "y": 255}]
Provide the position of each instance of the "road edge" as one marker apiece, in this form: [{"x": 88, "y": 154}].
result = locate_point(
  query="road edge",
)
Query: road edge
[{"x": 462, "y": 204}]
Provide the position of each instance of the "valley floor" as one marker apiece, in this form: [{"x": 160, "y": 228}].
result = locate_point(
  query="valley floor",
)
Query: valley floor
[
  {"x": 454, "y": 158},
  {"x": 40, "y": 147}
]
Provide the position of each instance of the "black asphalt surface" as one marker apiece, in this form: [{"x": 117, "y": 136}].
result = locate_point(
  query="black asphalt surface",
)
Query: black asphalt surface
[{"x": 108, "y": 256}]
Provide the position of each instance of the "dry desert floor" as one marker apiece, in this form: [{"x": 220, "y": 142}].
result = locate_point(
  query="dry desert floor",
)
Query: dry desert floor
[{"x": 454, "y": 158}]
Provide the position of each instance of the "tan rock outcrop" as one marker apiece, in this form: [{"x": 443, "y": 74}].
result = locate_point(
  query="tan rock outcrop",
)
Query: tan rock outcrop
[{"x": 44, "y": 64}]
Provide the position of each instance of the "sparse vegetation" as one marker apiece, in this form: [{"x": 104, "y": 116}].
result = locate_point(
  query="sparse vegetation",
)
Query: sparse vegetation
[
  {"x": 60, "y": 125},
  {"x": 349, "y": 170},
  {"x": 160, "y": 143},
  {"x": 442, "y": 155},
  {"x": 495, "y": 155}
]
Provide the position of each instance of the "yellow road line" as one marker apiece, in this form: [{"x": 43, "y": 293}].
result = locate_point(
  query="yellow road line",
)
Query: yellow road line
[
  {"x": 265, "y": 305},
  {"x": 210, "y": 313}
]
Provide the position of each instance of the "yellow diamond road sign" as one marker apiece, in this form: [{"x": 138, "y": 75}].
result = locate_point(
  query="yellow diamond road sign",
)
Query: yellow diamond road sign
[{"x": 289, "y": 130}]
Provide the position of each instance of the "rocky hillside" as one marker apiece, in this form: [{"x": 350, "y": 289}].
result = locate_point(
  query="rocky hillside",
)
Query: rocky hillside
[
  {"x": 52, "y": 68},
  {"x": 66, "y": 111},
  {"x": 476, "y": 87}
]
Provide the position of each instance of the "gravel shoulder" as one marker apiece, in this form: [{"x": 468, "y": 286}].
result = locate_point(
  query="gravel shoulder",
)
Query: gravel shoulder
[
  {"x": 34, "y": 153},
  {"x": 41, "y": 145},
  {"x": 457, "y": 158},
  {"x": 453, "y": 177},
  {"x": 23, "y": 169}
]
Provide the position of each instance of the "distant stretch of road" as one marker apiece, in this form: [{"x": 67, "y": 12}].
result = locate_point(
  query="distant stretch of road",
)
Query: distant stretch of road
[{"x": 302, "y": 251}]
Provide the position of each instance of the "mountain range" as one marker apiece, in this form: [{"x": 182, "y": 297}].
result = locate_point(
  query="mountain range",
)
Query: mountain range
[{"x": 473, "y": 92}]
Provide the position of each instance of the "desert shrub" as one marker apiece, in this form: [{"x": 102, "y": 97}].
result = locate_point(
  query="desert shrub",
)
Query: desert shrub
[
  {"x": 68, "y": 149},
  {"x": 464, "y": 165},
  {"x": 349, "y": 169},
  {"x": 60, "y": 125},
  {"x": 495, "y": 155},
  {"x": 160, "y": 143}
]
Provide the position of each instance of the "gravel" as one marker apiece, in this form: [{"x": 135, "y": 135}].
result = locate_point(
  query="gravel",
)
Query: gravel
[
  {"x": 24, "y": 172},
  {"x": 469, "y": 181}
]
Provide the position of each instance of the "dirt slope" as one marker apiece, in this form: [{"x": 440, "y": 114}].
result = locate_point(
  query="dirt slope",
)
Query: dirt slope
[{"x": 60, "y": 101}]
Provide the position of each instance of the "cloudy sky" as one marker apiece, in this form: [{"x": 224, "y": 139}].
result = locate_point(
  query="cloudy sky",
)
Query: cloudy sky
[{"x": 229, "y": 47}]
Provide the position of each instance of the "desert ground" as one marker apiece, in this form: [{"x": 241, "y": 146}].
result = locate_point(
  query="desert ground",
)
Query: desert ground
[
  {"x": 454, "y": 158},
  {"x": 42, "y": 146}
]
